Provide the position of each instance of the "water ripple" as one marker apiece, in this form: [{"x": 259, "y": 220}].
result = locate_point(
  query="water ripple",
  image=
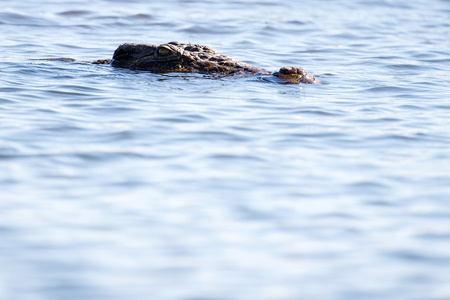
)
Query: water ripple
[{"x": 119, "y": 183}]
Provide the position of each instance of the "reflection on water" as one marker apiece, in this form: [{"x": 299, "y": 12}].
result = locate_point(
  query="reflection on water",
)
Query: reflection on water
[{"x": 120, "y": 184}]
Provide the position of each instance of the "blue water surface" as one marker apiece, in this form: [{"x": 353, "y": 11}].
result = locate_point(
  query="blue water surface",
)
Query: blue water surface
[{"x": 119, "y": 184}]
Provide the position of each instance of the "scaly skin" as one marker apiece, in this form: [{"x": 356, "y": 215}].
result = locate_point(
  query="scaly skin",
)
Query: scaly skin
[{"x": 190, "y": 58}]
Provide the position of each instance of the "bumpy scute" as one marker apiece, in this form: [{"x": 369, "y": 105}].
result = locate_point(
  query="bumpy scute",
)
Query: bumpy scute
[{"x": 295, "y": 75}]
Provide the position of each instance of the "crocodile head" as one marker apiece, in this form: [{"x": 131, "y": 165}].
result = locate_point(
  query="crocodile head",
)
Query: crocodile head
[{"x": 176, "y": 57}]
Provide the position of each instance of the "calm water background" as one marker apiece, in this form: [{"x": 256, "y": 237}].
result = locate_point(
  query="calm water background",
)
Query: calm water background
[{"x": 117, "y": 184}]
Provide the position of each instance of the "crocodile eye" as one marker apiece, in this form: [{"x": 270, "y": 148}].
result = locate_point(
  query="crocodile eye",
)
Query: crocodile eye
[{"x": 163, "y": 51}]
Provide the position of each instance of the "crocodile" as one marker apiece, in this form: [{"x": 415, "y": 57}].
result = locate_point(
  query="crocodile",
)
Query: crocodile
[{"x": 193, "y": 58}]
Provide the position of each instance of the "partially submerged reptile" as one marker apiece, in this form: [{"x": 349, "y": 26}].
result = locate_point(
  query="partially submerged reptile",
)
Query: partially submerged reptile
[{"x": 193, "y": 58}]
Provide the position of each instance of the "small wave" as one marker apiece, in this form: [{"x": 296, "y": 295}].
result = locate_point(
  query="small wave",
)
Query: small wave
[
  {"x": 140, "y": 16},
  {"x": 419, "y": 257},
  {"x": 22, "y": 19},
  {"x": 209, "y": 29},
  {"x": 386, "y": 89},
  {"x": 406, "y": 67},
  {"x": 75, "y": 13}
]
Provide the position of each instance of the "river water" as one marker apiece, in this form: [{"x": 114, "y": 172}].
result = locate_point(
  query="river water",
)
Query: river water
[{"x": 119, "y": 184}]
